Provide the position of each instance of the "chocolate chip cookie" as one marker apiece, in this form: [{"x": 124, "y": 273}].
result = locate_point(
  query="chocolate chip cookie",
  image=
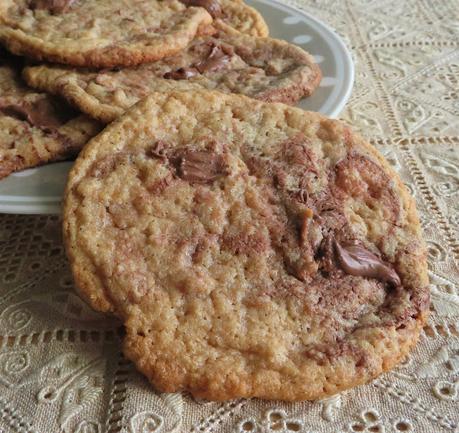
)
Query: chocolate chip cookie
[
  {"x": 234, "y": 13},
  {"x": 36, "y": 128},
  {"x": 99, "y": 33},
  {"x": 262, "y": 68},
  {"x": 242, "y": 18},
  {"x": 252, "y": 249}
]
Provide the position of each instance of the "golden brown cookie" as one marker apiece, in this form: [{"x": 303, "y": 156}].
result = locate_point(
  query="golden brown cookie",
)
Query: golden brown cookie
[
  {"x": 262, "y": 68},
  {"x": 251, "y": 249},
  {"x": 236, "y": 14},
  {"x": 99, "y": 33},
  {"x": 36, "y": 128}
]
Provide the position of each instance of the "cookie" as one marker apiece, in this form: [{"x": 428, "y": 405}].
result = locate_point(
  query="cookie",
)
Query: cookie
[
  {"x": 236, "y": 14},
  {"x": 99, "y": 33},
  {"x": 36, "y": 128},
  {"x": 252, "y": 249},
  {"x": 262, "y": 68}
]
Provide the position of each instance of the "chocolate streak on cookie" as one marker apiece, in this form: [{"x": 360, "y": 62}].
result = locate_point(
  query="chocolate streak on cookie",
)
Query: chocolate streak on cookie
[
  {"x": 372, "y": 184},
  {"x": 323, "y": 353},
  {"x": 40, "y": 114},
  {"x": 319, "y": 217},
  {"x": 211, "y": 6},
  {"x": 54, "y": 6},
  {"x": 181, "y": 74},
  {"x": 201, "y": 166},
  {"x": 357, "y": 260},
  {"x": 218, "y": 57}
]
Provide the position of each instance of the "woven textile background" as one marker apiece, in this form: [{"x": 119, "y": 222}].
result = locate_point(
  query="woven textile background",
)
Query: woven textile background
[{"x": 61, "y": 369}]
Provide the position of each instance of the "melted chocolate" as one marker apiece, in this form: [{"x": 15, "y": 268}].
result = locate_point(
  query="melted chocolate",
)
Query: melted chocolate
[
  {"x": 357, "y": 260},
  {"x": 40, "y": 114},
  {"x": 201, "y": 166},
  {"x": 181, "y": 74},
  {"x": 54, "y": 6},
  {"x": 218, "y": 58},
  {"x": 211, "y": 6}
]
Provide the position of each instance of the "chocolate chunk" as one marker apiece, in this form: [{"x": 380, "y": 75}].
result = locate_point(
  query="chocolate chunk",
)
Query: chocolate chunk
[
  {"x": 54, "y": 6},
  {"x": 201, "y": 166},
  {"x": 181, "y": 74},
  {"x": 211, "y": 6},
  {"x": 107, "y": 165},
  {"x": 218, "y": 58},
  {"x": 41, "y": 114},
  {"x": 357, "y": 260}
]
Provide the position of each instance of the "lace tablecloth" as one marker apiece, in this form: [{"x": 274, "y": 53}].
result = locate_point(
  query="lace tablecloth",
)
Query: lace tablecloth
[{"x": 61, "y": 369}]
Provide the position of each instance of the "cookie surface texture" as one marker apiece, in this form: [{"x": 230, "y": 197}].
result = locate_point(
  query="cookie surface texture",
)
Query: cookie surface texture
[
  {"x": 234, "y": 13},
  {"x": 36, "y": 128},
  {"x": 262, "y": 68},
  {"x": 251, "y": 249},
  {"x": 241, "y": 17},
  {"x": 98, "y": 33}
]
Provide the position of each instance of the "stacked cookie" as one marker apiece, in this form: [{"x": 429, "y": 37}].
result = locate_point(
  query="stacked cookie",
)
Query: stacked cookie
[
  {"x": 111, "y": 54},
  {"x": 251, "y": 249}
]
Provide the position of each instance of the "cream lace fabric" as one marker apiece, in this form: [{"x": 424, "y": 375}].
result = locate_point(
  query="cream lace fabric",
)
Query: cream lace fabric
[{"x": 61, "y": 369}]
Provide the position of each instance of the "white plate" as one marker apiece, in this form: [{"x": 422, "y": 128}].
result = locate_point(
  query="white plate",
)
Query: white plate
[{"x": 39, "y": 190}]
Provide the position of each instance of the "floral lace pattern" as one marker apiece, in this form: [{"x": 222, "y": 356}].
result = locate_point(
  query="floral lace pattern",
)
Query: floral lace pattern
[{"x": 61, "y": 369}]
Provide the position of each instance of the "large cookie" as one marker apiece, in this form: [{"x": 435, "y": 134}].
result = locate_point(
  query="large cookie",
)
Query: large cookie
[
  {"x": 36, "y": 128},
  {"x": 251, "y": 249},
  {"x": 262, "y": 68},
  {"x": 99, "y": 33}
]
